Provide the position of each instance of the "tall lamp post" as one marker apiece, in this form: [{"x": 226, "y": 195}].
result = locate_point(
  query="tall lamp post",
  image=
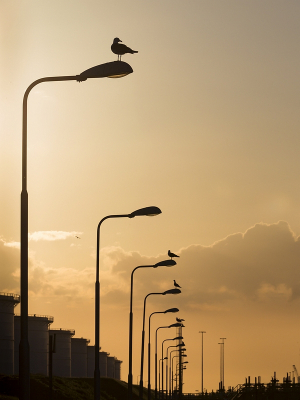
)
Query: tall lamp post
[
  {"x": 113, "y": 69},
  {"x": 170, "y": 310},
  {"x": 146, "y": 211},
  {"x": 171, "y": 291},
  {"x": 202, "y": 363},
  {"x": 165, "y": 263},
  {"x": 176, "y": 325},
  {"x": 222, "y": 386}
]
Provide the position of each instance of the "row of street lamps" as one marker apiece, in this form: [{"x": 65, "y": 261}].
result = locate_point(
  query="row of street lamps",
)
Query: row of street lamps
[{"x": 114, "y": 69}]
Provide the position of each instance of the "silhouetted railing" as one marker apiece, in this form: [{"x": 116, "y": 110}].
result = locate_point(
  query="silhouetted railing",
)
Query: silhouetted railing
[{"x": 16, "y": 297}]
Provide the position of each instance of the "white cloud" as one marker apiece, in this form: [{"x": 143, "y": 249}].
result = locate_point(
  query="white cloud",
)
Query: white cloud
[
  {"x": 258, "y": 266},
  {"x": 52, "y": 235}
]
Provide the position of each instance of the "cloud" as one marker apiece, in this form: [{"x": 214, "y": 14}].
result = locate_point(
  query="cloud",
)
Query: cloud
[
  {"x": 260, "y": 266},
  {"x": 9, "y": 265},
  {"x": 52, "y": 235}
]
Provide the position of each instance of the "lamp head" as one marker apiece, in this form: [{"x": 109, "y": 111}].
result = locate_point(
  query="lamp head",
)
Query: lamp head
[
  {"x": 173, "y": 310},
  {"x": 176, "y": 325},
  {"x": 179, "y": 338},
  {"x": 172, "y": 291},
  {"x": 165, "y": 263},
  {"x": 146, "y": 211},
  {"x": 114, "y": 69}
]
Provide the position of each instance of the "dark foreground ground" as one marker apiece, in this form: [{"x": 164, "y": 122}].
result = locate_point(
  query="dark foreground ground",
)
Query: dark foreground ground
[
  {"x": 65, "y": 388},
  {"x": 111, "y": 389}
]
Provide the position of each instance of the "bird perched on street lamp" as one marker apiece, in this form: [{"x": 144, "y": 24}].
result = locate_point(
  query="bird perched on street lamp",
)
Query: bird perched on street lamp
[
  {"x": 176, "y": 284},
  {"x": 121, "y": 49},
  {"x": 172, "y": 255}
]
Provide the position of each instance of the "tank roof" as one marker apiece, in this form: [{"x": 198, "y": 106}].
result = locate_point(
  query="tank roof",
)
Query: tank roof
[
  {"x": 71, "y": 331},
  {"x": 76, "y": 338},
  {"x": 36, "y": 316},
  {"x": 10, "y": 297}
]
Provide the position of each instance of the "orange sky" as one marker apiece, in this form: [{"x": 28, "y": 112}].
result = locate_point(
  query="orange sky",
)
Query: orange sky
[{"x": 206, "y": 128}]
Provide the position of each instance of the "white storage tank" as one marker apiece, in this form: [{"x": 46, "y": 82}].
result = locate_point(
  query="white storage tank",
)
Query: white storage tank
[
  {"x": 79, "y": 357},
  {"x": 110, "y": 367},
  {"x": 118, "y": 369},
  {"x": 38, "y": 338},
  {"x": 103, "y": 363},
  {"x": 7, "y": 303},
  {"x": 90, "y": 361},
  {"x": 61, "y": 359}
]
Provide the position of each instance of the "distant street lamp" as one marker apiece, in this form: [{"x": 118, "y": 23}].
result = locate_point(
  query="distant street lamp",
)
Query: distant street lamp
[
  {"x": 171, "y": 291},
  {"x": 170, "y": 310},
  {"x": 162, "y": 372},
  {"x": 176, "y": 325},
  {"x": 113, "y": 69},
  {"x": 202, "y": 363},
  {"x": 159, "y": 363},
  {"x": 169, "y": 379},
  {"x": 146, "y": 211},
  {"x": 165, "y": 263},
  {"x": 222, "y": 386}
]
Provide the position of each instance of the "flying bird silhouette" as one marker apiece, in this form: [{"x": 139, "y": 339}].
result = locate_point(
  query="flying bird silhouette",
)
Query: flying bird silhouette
[
  {"x": 172, "y": 255},
  {"x": 179, "y": 319},
  {"x": 121, "y": 49},
  {"x": 77, "y": 237},
  {"x": 176, "y": 284}
]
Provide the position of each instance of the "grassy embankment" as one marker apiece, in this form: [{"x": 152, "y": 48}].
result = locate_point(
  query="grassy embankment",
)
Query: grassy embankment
[{"x": 66, "y": 388}]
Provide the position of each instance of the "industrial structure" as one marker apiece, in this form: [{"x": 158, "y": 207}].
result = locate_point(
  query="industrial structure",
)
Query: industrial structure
[
  {"x": 7, "y": 303},
  {"x": 79, "y": 357},
  {"x": 71, "y": 356},
  {"x": 38, "y": 337}
]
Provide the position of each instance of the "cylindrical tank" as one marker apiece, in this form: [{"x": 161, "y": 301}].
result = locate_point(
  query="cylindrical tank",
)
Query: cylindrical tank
[
  {"x": 103, "y": 363},
  {"x": 7, "y": 303},
  {"x": 38, "y": 339},
  {"x": 90, "y": 361},
  {"x": 110, "y": 367},
  {"x": 118, "y": 369},
  {"x": 79, "y": 357},
  {"x": 62, "y": 355}
]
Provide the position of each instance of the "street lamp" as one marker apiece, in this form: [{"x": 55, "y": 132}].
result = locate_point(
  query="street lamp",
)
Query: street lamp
[
  {"x": 146, "y": 211},
  {"x": 180, "y": 365},
  {"x": 165, "y": 263},
  {"x": 159, "y": 363},
  {"x": 202, "y": 362},
  {"x": 169, "y": 378},
  {"x": 171, "y": 291},
  {"x": 162, "y": 372},
  {"x": 113, "y": 69},
  {"x": 170, "y": 310},
  {"x": 176, "y": 325},
  {"x": 222, "y": 363}
]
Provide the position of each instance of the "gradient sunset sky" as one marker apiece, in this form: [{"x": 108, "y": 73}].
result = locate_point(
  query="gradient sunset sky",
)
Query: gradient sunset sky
[{"x": 206, "y": 128}]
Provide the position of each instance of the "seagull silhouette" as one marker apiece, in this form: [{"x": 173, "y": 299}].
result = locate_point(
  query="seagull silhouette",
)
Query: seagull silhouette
[
  {"x": 176, "y": 284},
  {"x": 121, "y": 49},
  {"x": 179, "y": 319},
  {"x": 172, "y": 255},
  {"x": 77, "y": 237}
]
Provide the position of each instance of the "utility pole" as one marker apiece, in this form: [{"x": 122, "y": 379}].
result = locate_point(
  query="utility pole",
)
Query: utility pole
[
  {"x": 222, "y": 364},
  {"x": 202, "y": 362}
]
